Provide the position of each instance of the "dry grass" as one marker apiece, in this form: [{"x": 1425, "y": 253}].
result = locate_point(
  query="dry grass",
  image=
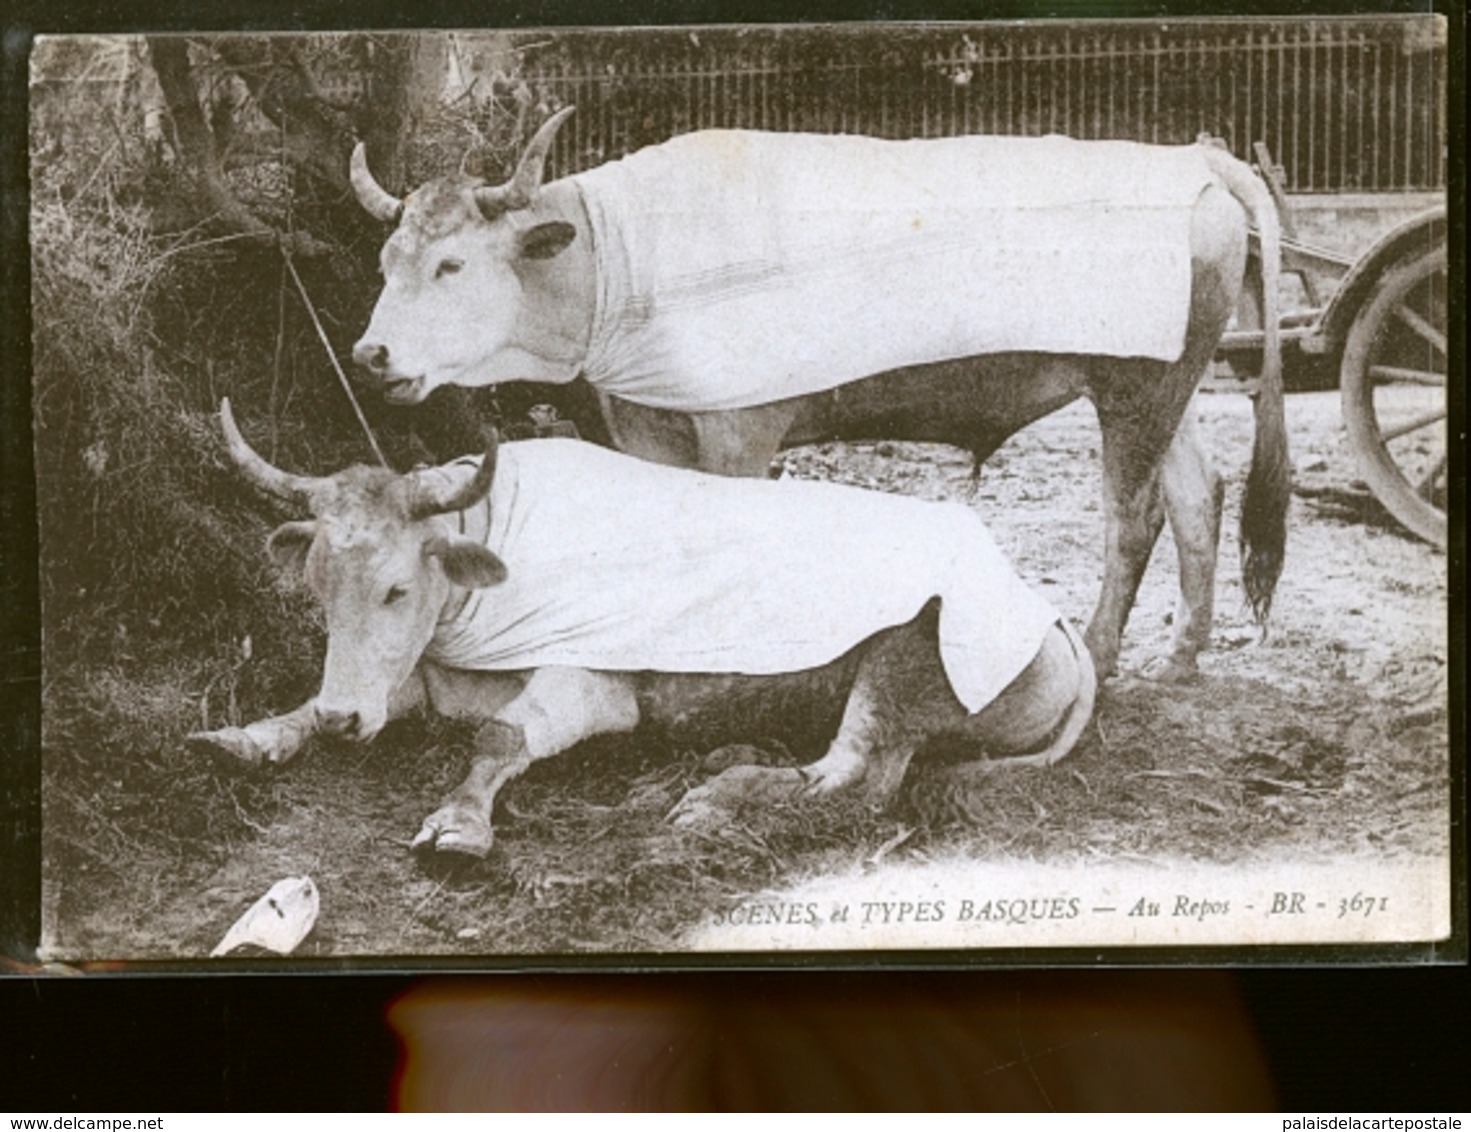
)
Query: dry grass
[{"x": 161, "y": 853}]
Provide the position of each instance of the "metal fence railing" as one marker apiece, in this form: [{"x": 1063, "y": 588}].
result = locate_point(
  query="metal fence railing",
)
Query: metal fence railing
[{"x": 1344, "y": 104}]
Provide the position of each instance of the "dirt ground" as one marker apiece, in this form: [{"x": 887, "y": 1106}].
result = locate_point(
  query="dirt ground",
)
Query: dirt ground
[{"x": 1326, "y": 740}]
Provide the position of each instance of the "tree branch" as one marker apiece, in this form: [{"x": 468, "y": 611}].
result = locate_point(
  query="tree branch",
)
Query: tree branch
[
  {"x": 195, "y": 144},
  {"x": 320, "y": 137},
  {"x": 192, "y": 137}
]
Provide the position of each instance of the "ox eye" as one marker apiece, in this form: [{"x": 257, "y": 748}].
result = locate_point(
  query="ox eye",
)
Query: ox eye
[
  {"x": 448, "y": 267},
  {"x": 395, "y": 594}
]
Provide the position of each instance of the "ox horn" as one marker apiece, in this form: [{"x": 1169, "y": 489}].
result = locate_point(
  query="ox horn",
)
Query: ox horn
[
  {"x": 425, "y": 501},
  {"x": 267, "y": 477},
  {"x": 518, "y": 191},
  {"x": 379, "y": 202}
]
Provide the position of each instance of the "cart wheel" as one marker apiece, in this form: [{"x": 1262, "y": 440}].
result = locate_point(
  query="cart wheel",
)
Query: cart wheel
[{"x": 1393, "y": 384}]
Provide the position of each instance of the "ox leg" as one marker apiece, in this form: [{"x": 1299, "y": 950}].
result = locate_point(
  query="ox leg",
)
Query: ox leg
[
  {"x": 1141, "y": 413},
  {"x": 266, "y": 742},
  {"x": 899, "y": 699},
  {"x": 278, "y": 739},
  {"x": 879, "y": 735},
  {"x": 742, "y": 442},
  {"x": 558, "y": 708},
  {"x": 1193, "y": 494},
  {"x": 661, "y": 436},
  {"x": 1140, "y": 407},
  {"x": 1036, "y": 720},
  {"x": 1133, "y": 516},
  {"x": 729, "y": 442}
]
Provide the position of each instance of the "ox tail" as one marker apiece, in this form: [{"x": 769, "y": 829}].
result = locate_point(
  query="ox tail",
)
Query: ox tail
[{"x": 1269, "y": 484}]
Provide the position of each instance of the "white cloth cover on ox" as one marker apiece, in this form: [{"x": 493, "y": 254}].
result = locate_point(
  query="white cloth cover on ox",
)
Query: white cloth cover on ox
[
  {"x": 736, "y": 268},
  {"x": 621, "y": 565}
]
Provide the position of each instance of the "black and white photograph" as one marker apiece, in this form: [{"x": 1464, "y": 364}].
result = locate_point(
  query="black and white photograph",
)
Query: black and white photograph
[{"x": 974, "y": 492}]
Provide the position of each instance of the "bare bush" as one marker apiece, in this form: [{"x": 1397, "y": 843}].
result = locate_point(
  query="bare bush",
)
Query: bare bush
[{"x": 191, "y": 228}]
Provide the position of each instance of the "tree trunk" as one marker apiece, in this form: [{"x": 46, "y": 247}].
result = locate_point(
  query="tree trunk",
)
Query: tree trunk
[
  {"x": 193, "y": 140},
  {"x": 405, "y": 88}
]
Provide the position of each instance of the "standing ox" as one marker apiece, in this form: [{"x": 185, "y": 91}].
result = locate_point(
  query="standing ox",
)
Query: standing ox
[
  {"x": 488, "y": 589},
  {"x": 730, "y": 292}
]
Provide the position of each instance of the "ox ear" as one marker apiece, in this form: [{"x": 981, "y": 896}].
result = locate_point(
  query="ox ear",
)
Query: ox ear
[
  {"x": 542, "y": 241},
  {"x": 466, "y": 562},
  {"x": 288, "y": 544}
]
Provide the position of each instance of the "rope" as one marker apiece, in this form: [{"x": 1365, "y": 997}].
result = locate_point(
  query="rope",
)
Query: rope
[{"x": 327, "y": 345}]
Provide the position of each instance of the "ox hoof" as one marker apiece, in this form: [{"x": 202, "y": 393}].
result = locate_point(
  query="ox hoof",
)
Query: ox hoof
[
  {"x": 1105, "y": 655},
  {"x": 1169, "y": 670},
  {"x": 454, "y": 829},
  {"x": 736, "y": 788},
  {"x": 230, "y": 747}
]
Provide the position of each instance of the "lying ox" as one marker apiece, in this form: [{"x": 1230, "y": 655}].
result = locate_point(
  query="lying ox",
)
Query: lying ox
[
  {"x": 730, "y": 292},
  {"x": 556, "y": 591}
]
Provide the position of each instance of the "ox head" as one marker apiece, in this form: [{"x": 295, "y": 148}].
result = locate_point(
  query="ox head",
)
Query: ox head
[
  {"x": 382, "y": 559},
  {"x": 453, "y": 275}
]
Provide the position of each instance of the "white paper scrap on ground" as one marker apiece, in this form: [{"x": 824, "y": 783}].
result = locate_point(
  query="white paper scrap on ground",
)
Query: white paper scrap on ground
[{"x": 278, "y": 921}]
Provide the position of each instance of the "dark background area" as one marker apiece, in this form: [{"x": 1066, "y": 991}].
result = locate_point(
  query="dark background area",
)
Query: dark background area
[{"x": 1336, "y": 1040}]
